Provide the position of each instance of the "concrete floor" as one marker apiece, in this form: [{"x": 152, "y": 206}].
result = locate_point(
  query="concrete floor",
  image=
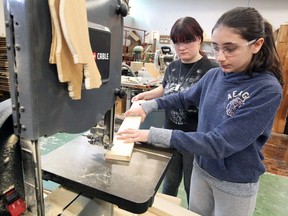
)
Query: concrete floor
[{"x": 271, "y": 201}]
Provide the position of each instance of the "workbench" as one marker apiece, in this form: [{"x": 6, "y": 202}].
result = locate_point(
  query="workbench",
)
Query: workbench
[{"x": 131, "y": 84}]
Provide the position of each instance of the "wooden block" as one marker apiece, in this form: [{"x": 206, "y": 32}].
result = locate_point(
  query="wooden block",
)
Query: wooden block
[
  {"x": 73, "y": 18},
  {"x": 121, "y": 212},
  {"x": 152, "y": 70},
  {"x": 283, "y": 33},
  {"x": 120, "y": 150},
  {"x": 52, "y": 57},
  {"x": 58, "y": 200},
  {"x": 147, "y": 213},
  {"x": 136, "y": 66},
  {"x": 134, "y": 36},
  {"x": 163, "y": 207},
  {"x": 120, "y": 106},
  {"x": 56, "y": 45},
  {"x": 170, "y": 199}
]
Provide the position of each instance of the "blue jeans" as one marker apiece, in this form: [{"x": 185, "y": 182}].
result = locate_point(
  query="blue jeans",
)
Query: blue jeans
[{"x": 181, "y": 163}]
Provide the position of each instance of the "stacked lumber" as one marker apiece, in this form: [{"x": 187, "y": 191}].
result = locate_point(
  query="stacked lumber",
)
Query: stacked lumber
[{"x": 4, "y": 74}]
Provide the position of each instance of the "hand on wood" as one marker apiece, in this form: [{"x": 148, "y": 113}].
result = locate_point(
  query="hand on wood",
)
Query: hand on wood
[
  {"x": 133, "y": 135},
  {"x": 138, "y": 97},
  {"x": 137, "y": 111}
]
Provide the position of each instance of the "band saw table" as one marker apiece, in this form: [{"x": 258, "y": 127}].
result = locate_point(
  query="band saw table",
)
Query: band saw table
[
  {"x": 82, "y": 167},
  {"x": 41, "y": 106}
]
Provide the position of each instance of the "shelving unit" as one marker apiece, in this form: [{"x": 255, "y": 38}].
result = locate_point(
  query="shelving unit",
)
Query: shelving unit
[{"x": 132, "y": 38}]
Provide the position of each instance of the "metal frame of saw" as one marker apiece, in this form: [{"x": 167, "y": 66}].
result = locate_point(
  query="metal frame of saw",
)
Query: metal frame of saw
[{"x": 41, "y": 105}]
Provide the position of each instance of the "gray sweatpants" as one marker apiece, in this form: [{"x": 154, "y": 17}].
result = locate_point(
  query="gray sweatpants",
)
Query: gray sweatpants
[{"x": 207, "y": 200}]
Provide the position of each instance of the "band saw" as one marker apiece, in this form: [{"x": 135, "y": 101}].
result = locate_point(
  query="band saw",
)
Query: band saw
[{"x": 40, "y": 106}]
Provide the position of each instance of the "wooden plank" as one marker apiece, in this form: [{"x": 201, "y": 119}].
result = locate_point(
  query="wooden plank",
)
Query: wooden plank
[
  {"x": 54, "y": 22},
  {"x": 120, "y": 150},
  {"x": 169, "y": 199},
  {"x": 121, "y": 212},
  {"x": 147, "y": 213},
  {"x": 134, "y": 36},
  {"x": 163, "y": 207},
  {"x": 58, "y": 200},
  {"x": 73, "y": 18},
  {"x": 172, "y": 199},
  {"x": 136, "y": 66}
]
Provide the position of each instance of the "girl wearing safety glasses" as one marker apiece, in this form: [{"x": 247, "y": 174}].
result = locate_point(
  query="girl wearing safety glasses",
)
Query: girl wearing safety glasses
[{"x": 237, "y": 105}]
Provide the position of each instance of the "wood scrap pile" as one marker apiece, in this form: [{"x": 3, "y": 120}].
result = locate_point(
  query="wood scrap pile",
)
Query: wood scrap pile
[
  {"x": 4, "y": 74},
  {"x": 70, "y": 47}
]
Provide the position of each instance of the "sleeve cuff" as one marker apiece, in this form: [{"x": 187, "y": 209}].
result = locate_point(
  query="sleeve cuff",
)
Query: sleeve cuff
[
  {"x": 149, "y": 106},
  {"x": 159, "y": 137}
]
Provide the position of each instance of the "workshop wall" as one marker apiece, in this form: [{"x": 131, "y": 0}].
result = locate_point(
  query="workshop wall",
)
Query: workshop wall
[{"x": 161, "y": 14}]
